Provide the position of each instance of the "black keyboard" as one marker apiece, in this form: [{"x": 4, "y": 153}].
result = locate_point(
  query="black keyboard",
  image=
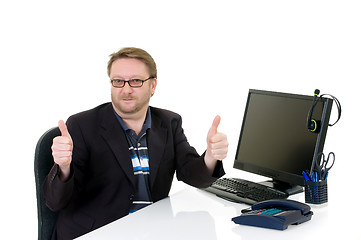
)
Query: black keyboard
[{"x": 243, "y": 191}]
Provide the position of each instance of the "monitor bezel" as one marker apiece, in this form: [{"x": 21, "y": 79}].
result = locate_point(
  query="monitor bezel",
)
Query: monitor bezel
[{"x": 282, "y": 178}]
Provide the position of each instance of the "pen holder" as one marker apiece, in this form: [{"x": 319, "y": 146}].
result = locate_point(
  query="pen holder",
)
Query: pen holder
[{"x": 316, "y": 192}]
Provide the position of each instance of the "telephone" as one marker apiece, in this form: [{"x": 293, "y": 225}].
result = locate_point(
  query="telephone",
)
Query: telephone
[{"x": 275, "y": 214}]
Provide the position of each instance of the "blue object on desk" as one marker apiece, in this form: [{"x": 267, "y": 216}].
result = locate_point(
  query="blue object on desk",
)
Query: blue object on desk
[
  {"x": 314, "y": 177},
  {"x": 275, "y": 214},
  {"x": 306, "y": 176}
]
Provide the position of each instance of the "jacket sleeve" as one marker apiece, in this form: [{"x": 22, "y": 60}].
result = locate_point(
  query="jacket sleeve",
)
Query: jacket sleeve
[
  {"x": 57, "y": 193},
  {"x": 191, "y": 167}
]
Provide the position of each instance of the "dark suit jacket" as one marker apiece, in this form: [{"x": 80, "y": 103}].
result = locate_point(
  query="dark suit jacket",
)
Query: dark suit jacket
[{"x": 101, "y": 186}]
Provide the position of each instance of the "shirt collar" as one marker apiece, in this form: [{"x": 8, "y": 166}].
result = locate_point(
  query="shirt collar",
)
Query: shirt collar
[{"x": 147, "y": 122}]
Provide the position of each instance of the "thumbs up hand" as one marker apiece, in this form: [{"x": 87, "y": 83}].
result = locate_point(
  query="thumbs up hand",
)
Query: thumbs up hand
[
  {"x": 217, "y": 145},
  {"x": 62, "y": 150}
]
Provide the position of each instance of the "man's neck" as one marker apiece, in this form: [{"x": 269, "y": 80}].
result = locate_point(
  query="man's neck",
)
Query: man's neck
[
  {"x": 135, "y": 125},
  {"x": 134, "y": 121}
]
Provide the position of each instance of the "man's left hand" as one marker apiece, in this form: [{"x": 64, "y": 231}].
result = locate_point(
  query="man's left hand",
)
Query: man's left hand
[{"x": 217, "y": 145}]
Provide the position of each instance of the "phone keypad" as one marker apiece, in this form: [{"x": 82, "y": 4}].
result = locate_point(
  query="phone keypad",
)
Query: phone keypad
[{"x": 271, "y": 211}]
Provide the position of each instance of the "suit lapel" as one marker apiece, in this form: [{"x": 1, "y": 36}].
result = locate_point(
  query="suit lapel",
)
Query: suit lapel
[
  {"x": 114, "y": 135},
  {"x": 156, "y": 140}
]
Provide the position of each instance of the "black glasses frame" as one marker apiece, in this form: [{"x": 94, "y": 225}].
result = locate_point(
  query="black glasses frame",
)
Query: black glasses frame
[{"x": 131, "y": 82}]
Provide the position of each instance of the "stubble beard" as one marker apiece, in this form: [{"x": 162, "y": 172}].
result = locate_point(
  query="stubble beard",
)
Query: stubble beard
[{"x": 126, "y": 111}]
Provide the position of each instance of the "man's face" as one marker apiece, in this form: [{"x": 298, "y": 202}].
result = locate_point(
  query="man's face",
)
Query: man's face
[{"x": 128, "y": 100}]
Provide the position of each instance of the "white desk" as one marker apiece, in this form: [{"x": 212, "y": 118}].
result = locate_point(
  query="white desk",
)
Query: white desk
[{"x": 196, "y": 214}]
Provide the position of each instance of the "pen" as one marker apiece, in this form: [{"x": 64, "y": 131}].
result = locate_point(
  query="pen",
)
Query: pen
[
  {"x": 325, "y": 176},
  {"x": 314, "y": 176},
  {"x": 305, "y": 175}
]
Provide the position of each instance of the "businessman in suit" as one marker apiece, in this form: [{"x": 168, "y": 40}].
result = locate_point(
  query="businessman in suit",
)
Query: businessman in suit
[{"x": 121, "y": 156}]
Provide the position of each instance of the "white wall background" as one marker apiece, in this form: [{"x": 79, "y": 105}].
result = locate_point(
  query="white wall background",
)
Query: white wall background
[{"x": 53, "y": 57}]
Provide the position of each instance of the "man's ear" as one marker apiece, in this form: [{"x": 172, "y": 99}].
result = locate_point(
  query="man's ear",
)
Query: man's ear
[{"x": 154, "y": 85}]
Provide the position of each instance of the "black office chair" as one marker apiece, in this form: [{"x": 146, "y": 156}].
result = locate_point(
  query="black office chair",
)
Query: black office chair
[{"x": 42, "y": 164}]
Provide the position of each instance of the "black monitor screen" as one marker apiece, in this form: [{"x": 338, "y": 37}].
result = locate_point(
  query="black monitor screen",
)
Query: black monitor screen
[{"x": 275, "y": 141}]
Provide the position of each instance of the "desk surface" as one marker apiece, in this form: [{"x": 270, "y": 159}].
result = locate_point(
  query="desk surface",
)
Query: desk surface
[{"x": 196, "y": 214}]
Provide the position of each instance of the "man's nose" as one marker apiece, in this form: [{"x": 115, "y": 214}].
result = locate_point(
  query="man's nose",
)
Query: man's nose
[{"x": 127, "y": 88}]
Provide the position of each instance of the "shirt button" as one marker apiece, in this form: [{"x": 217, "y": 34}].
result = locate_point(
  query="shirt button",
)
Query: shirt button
[
  {"x": 138, "y": 144},
  {"x": 131, "y": 197}
]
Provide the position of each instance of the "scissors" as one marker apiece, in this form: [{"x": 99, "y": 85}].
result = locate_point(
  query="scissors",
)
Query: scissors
[{"x": 323, "y": 167}]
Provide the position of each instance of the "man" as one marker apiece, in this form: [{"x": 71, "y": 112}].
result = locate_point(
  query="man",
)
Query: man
[{"x": 121, "y": 156}]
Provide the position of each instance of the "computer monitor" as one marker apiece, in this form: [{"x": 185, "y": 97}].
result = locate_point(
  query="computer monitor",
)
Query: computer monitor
[{"x": 275, "y": 142}]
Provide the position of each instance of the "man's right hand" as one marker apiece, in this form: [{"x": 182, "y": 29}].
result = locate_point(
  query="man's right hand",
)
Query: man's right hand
[{"x": 62, "y": 151}]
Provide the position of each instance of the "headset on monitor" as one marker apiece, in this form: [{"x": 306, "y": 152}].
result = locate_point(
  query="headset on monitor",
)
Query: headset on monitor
[{"x": 314, "y": 125}]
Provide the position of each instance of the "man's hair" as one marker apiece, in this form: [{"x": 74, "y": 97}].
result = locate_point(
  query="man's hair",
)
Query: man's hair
[{"x": 137, "y": 53}]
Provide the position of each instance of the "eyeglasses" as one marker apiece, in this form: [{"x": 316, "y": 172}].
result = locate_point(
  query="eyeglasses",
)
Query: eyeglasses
[{"x": 135, "y": 83}]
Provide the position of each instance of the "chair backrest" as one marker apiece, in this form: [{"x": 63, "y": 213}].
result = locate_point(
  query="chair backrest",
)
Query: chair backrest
[{"x": 43, "y": 162}]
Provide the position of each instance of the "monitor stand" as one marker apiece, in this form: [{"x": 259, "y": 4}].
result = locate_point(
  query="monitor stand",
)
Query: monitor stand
[{"x": 283, "y": 186}]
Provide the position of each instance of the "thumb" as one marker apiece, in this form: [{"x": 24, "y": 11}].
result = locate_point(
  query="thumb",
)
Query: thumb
[
  {"x": 63, "y": 129},
  {"x": 213, "y": 130}
]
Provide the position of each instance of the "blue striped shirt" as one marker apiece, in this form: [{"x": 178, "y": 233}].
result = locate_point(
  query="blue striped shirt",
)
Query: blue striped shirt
[{"x": 138, "y": 148}]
